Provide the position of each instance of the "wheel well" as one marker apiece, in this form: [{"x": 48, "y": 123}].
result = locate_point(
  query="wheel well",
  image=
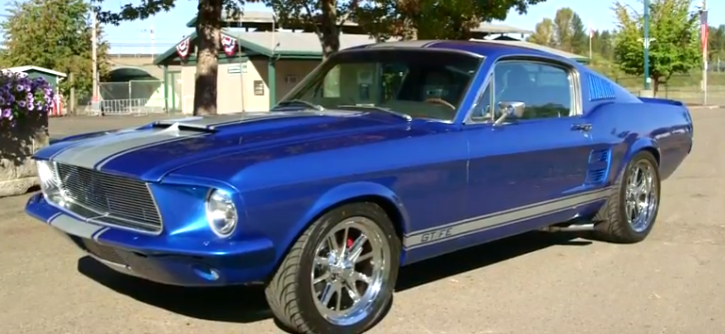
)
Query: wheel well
[
  {"x": 396, "y": 217},
  {"x": 654, "y": 152}
]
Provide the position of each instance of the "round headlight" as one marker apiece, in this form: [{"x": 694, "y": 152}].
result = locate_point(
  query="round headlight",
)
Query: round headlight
[
  {"x": 49, "y": 182},
  {"x": 45, "y": 172},
  {"x": 221, "y": 213}
]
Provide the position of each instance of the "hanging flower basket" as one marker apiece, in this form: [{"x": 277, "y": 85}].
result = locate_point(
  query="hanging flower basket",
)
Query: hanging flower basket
[{"x": 24, "y": 107}]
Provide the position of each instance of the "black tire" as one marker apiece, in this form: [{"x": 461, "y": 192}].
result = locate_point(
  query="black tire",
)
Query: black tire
[
  {"x": 612, "y": 224},
  {"x": 289, "y": 292}
]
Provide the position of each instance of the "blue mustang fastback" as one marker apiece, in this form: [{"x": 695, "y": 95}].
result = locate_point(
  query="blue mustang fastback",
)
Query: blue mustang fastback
[{"x": 385, "y": 155}]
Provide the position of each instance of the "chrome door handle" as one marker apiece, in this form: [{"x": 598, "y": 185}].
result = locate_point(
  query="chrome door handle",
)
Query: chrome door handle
[{"x": 582, "y": 127}]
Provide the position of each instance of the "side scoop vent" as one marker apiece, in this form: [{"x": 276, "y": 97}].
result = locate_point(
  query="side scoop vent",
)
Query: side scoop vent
[{"x": 598, "y": 166}]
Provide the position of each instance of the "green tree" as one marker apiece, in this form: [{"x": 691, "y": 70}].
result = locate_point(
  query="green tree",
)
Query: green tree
[
  {"x": 716, "y": 43},
  {"x": 543, "y": 33},
  {"x": 579, "y": 35},
  {"x": 323, "y": 17},
  {"x": 675, "y": 40},
  {"x": 432, "y": 19},
  {"x": 562, "y": 28},
  {"x": 605, "y": 44},
  {"x": 55, "y": 34}
]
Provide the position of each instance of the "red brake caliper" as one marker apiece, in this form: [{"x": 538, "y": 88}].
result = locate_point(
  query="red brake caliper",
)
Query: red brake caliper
[{"x": 349, "y": 243}]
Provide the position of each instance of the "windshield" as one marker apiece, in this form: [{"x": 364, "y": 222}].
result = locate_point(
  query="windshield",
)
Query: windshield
[{"x": 418, "y": 83}]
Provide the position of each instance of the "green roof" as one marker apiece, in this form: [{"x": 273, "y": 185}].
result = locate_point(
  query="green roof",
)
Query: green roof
[{"x": 290, "y": 45}]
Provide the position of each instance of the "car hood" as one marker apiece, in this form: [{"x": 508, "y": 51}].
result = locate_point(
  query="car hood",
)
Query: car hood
[{"x": 152, "y": 151}]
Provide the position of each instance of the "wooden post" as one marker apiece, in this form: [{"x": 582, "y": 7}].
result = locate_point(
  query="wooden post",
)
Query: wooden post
[{"x": 72, "y": 99}]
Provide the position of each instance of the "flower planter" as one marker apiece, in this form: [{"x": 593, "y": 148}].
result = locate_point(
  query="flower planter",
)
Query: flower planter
[
  {"x": 24, "y": 106},
  {"x": 17, "y": 145}
]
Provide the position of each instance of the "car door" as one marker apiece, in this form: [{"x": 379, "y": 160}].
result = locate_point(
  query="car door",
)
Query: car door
[{"x": 528, "y": 167}]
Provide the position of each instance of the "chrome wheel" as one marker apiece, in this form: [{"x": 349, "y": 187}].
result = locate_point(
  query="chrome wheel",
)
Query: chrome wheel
[
  {"x": 641, "y": 197},
  {"x": 351, "y": 265}
]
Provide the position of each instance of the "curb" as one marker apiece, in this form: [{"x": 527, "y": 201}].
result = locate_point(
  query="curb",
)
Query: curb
[{"x": 704, "y": 107}]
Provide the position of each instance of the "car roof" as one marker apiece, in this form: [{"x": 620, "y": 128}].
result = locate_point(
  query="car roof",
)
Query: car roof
[{"x": 483, "y": 48}]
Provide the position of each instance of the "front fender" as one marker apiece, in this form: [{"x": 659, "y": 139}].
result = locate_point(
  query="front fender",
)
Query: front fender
[
  {"x": 340, "y": 194},
  {"x": 350, "y": 191}
]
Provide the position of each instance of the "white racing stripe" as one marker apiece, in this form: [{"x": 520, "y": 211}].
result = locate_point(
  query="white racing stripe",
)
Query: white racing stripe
[
  {"x": 95, "y": 152},
  {"x": 90, "y": 153},
  {"x": 478, "y": 224},
  {"x": 77, "y": 227}
]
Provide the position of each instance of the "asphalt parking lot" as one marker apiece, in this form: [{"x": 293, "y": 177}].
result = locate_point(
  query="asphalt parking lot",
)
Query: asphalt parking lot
[{"x": 672, "y": 283}]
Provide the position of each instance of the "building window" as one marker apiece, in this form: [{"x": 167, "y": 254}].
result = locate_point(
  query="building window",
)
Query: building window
[{"x": 258, "y": 87}]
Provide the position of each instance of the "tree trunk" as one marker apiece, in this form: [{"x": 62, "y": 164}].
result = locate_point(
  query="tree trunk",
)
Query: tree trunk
[
  {"x": 330, "y": 33},
  {"x": 208, "y": 31}
]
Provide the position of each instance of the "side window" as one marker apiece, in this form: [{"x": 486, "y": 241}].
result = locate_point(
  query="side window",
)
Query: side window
[{"x": 546, "y": 90}]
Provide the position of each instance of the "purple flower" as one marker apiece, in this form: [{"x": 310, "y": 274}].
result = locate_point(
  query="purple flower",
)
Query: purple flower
[
  {"x": 7, "y": 114},
  {"x": 21, "y": 96}
]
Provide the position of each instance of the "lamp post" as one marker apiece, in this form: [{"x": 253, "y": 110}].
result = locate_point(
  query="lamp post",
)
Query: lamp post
[{"x": 646, "y": 44}]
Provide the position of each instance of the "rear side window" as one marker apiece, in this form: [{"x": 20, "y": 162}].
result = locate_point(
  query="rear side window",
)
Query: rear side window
[{"x": 545, "y": 89}]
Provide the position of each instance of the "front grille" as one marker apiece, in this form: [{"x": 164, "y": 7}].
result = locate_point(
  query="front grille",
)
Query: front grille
[{"x": 118, "y": 201}]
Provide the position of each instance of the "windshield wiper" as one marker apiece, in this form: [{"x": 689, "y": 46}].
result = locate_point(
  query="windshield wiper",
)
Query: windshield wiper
[
  {"x": 303, "y": 102},
  {"x": 374, "y": 107}
]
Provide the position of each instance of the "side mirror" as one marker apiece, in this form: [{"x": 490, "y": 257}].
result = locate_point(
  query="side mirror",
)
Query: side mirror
[{"x": 510, "y": 109}]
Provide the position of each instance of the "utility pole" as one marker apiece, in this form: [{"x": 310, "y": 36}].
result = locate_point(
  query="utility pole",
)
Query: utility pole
[
  {"x": 591, "y": 36},
  {"x": 646, "y": 44},
  {"x": 94, "y": 54},
  {"x": 153, "y": 44},
  {"x": 703, "y": 38}
]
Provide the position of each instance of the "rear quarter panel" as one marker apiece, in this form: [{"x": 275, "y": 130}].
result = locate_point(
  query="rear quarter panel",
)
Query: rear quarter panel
[
  {"x": 663, "y": 129},
  {"x": 629, "y": 124}
]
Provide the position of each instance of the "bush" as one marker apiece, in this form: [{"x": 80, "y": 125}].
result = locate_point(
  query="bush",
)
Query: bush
[{"x": 23, "y": 99}]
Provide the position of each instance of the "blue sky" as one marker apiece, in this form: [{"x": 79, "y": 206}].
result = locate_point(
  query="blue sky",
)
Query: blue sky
[{"x": 170, "y": 27}]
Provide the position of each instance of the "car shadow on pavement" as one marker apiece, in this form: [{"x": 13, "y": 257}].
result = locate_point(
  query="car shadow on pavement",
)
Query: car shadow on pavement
[
  {"x": 473, "y": 258},
  {"x": 244, "y": 304}
]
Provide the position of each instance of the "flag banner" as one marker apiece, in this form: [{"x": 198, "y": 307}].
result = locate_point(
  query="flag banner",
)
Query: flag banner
[
  {"x": 229, "y": 44},
  {"x": 183, "y": 48},
  {"x": 703, "y": 30}
]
